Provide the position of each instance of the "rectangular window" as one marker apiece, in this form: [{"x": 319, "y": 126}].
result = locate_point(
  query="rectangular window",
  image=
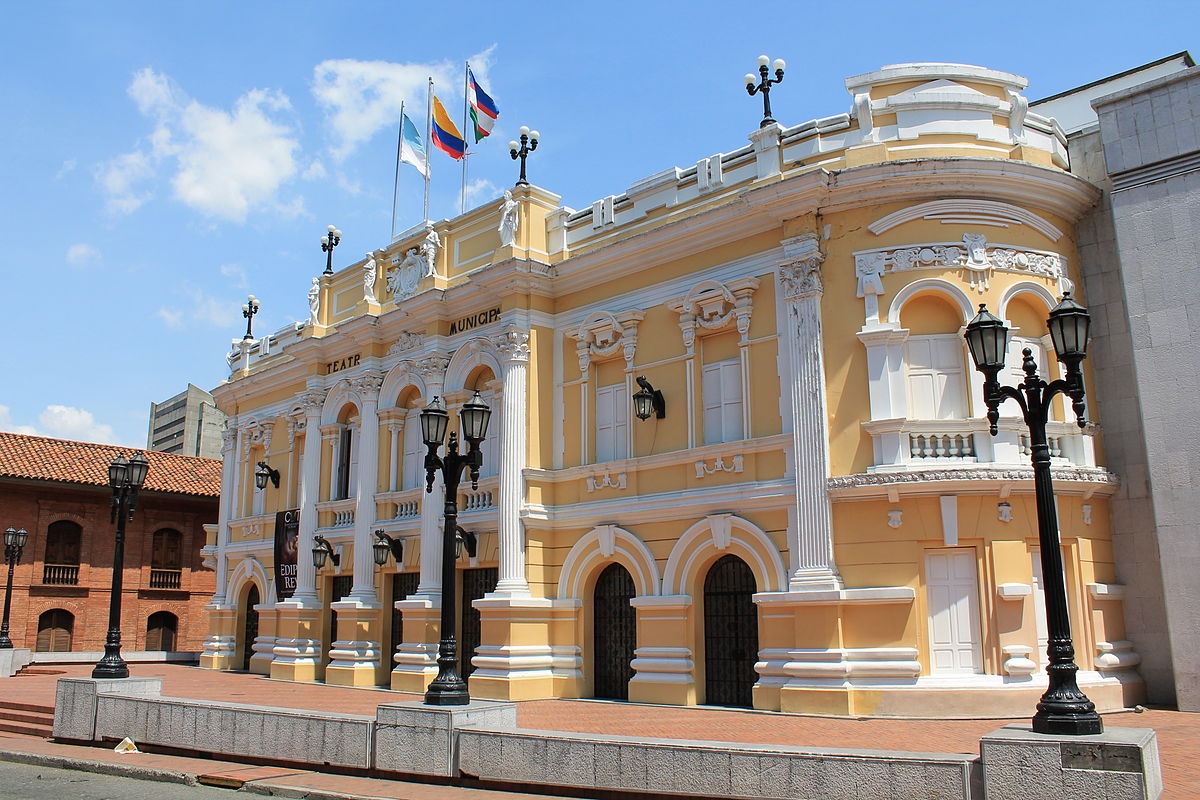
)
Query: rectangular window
[
  {"x": 936, "y": 383},
  {"x": 721, "y": 394},
  {"x": 413, "y": 468},
  {"x": 1014, "y": 368},
  {"x": 344, "y": 462},
  {"x": 612, "y": 423}
]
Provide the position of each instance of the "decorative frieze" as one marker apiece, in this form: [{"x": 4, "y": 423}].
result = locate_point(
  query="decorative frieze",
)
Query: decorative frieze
[
  {"x": 408, "y": 340},
  {"x": 719, "y": 464},
  {"x": 973, "y": 255},
  {"x": 1075, "y": 475},
  {"x": 606, "y": 480}
]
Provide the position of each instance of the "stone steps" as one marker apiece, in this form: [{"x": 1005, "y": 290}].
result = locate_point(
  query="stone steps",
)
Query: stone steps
[{"x": 26, "y": 718}]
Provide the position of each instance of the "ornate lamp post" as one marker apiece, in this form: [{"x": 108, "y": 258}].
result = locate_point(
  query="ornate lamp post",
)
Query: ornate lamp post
[
  {"x": 448, "y": 689},
  {"x": 762, "y": 84},
  {"x": 1063, "y": 709},
  {"x": 329, "y": 241},
  {"x": 249, "y": 309},
  {"x": 126, "y": 479},
  {"x": 14, "y": 543},
  {"x": 529, "y": 143}
]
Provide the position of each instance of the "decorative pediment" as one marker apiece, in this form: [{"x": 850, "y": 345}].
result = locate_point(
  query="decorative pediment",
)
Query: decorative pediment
[
  {"x": 715, "y": 306},
  {"x": 964, "y": 211},
  {"x": 602, "y": 334}
]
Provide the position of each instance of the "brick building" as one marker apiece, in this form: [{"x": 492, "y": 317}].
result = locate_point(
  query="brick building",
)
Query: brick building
[{"x": 58, "y": 491}]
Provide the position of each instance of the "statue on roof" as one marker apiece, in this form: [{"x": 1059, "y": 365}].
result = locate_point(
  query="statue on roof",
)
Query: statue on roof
[
  {"x": 314, "y": 302},
  {"x": 508, "y": 220},
  {"x": 429, "y": 250}
]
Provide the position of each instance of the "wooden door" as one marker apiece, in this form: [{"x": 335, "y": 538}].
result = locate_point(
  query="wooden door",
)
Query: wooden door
[
  {"x": 730, "y": 634},
  {"x": 614, "y": 633}
]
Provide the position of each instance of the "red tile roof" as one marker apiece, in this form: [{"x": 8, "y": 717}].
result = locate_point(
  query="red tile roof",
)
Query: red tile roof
[{"x": 42, "y": 459}]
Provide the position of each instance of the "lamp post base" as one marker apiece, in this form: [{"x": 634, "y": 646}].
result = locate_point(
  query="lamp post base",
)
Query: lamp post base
[
  {"x": 447, "y": 697},
  {"x": 111, "y": 665},
  {"x": 1060, "y": 724}
]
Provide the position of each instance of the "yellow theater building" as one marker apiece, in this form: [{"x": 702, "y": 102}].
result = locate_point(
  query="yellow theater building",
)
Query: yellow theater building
[{"x": 818, "y": 522}]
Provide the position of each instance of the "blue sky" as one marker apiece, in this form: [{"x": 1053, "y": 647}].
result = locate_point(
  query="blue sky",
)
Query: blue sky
[{"x": 161, "y": 160}]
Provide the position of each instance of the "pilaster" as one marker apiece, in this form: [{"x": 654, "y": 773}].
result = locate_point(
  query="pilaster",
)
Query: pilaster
[
  {"x": 768, "y": 156},
  {"x": 416, "y": 657},
  {"x": 513, "y": 345},
  {"x": 433, "y": 370},
  {"x": 811, "y": 538},
  {"x": 356, "y": 650}
]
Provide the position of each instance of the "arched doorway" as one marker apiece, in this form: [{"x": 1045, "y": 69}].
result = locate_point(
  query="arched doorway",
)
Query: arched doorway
[
  {"x": 614, "y": 633},
  {"x": 161, "y": 630},
  {"x": 55, "y": 629},
  {"x": 249, "y": 627},
  {"x": 730, "y": 634}
]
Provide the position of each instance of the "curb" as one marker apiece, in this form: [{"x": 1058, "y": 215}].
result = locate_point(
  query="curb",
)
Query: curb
[
  {"x": 100, "y": 767},
  {"x": 265, "y": 787}
]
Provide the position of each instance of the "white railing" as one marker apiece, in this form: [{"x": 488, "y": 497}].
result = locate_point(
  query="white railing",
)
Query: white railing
[
  {"x": 342, "y": 510},
  {"x": 407, "y": 503},
  {"x": 480, "y": 499},
  {"x": 904, "y": 444}
]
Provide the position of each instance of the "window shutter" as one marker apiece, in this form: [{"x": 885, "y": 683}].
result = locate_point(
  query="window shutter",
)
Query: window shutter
[
  {"x": 936, "y": 379},
  {"x": 413, "y": 468},
  {"x": 721, "y": 396},
  {"x": 612, "y": 423}
]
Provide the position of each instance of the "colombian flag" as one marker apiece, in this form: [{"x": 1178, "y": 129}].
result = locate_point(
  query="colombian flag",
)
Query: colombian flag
[
  {"x": 483, "y": 108},
  {"x": 445, "y": 134}
]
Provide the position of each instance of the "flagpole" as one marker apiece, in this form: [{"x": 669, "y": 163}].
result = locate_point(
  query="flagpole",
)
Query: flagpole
[
  {"x": 396, "y": 184},
  {"x": 428, "y": 128},
  {"x": 462, "y": 195}
]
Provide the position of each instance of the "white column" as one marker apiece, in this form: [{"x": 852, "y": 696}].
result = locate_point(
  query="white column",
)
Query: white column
[
  {"x": 310, "y": 486},
  {"x": 433, "y": 371},
  {"x": 228, "y": 467},
  {"x": 394, "y": 429},
  {"x": 513, "y": 345},
  {"x": 811, "y": 543},
  {"x": 366, "y": 482}
]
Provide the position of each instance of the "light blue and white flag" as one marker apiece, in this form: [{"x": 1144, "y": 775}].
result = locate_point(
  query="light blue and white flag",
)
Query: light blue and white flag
[{"x": 412, "y": 150}]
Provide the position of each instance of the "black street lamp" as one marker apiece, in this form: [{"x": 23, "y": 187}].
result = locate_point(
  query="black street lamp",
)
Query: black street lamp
[
  {"x": 1063, "y": 709},
  {"x": 14, "y": 543},
  {"x": 263, "y": 473},
  {"x": 762, "y": 84},
  {"x": 126, "y": 479},
  {"x": 387, "y": 546},
  {"x": 249, "y": 309},
  {"x": 329, "y": 241},
  {"x": 647, "y": 400},
  {"x": 448, "y": 689},
  {"x": 529, "y": 143}
]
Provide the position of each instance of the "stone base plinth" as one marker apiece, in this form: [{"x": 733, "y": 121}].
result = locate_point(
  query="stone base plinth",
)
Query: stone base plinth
[
  {"x": 76, "y": 701},
  {"x": 421, "y": 739},
  {"x": 12, "y": 659},
  {"x": 1121, "y": 762}
]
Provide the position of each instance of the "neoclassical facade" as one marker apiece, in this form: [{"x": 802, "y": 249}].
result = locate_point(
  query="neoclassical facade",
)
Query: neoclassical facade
[{"x": 818, "y": 522}]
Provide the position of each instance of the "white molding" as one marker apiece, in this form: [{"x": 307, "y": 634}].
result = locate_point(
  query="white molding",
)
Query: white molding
[
  {"x": 961, "y": 210},
  {"x": 719, "y": 533},
  {"x": 875, "y": 595},
  {"x": 980, "y": 479},
  {"x": 589, "y": 553},
  {"x": 1014, "y": 591},
  {"x": 1106, "y": 591}
]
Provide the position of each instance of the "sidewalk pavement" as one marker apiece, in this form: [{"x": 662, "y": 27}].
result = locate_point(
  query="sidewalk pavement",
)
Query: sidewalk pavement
[{"x": 1178, "y": 732}]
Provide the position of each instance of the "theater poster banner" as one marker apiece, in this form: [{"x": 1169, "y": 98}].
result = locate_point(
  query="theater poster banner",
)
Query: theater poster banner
[{"x": 287, "y": 528}]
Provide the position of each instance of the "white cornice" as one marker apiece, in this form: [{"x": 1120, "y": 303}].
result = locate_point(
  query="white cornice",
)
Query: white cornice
[{"x": 1084, "y": 481}]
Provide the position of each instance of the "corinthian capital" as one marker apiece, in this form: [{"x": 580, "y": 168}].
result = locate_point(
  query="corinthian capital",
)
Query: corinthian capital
[
  {"x": 310, "y": 401},
  {"x": 513, "y": 344},
  {"x": 433, "y": 366},
  {"x": 367, "y": 384},
  {"x": 800, "y": 270}
]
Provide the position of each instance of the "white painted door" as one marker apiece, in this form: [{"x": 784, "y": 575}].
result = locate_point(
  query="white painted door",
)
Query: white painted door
[{"x": 953, "y": 592}]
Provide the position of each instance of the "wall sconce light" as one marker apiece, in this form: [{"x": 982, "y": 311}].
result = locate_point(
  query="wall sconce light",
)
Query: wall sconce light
[
  {"x": 323, "y": 550},
  {"x": 648, "y": 400},
  {"x": 263, "y": 473},
  {"x": 469, "y": 539},
  {"x": 385, "y": 545}
]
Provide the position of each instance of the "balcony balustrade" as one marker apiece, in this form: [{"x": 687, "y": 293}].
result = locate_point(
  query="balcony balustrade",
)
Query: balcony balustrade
[{"x": 60, "y": 574}]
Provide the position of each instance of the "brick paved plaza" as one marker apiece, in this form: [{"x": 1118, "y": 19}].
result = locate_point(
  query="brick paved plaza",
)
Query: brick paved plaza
[{"x": 1179, "y": 733}]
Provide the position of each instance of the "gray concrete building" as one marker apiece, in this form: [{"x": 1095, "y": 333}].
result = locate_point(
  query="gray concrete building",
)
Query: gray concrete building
[
  {"x": 1138, "y": 249},
  {"x": 189, "y": 424}
]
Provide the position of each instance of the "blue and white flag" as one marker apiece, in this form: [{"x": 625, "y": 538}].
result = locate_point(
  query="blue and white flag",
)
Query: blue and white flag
[{"x": 412, "y": 151}]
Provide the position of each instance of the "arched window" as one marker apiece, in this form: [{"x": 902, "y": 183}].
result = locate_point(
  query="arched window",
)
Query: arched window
[
  {"x": 166, "y": 560},
  {"x": 413, "y": 471},
  {"x": 61, "y": 564},
  {"x": 933, "y": 358},
  {"x": 161, "y": 630},
  {"x": 55, "y": 628},
  {"x": 1029, "y": 326}
]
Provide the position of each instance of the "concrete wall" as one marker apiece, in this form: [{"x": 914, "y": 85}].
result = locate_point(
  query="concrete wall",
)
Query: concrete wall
[{"x": 1151, "y": 143}]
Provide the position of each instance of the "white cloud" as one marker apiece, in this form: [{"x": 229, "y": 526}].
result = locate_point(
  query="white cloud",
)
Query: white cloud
[
  {"x": 7, "y": 424},
  {"x": 67, "y": 166},
  {"x": 63, "y": 422},
  {"x": 315, "y": 171},
  {"x": 67, "y": 422},
  {"x": 83, "y": 255},
  {"x": 120, "y": 178},
  {"x": 363, "y": 97},
  {"x": 225, "y": 163},
  {"x": 481, "y": 190},
  {"x": 237, "y": 272},
  {"x": 202, "y": 309}
]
